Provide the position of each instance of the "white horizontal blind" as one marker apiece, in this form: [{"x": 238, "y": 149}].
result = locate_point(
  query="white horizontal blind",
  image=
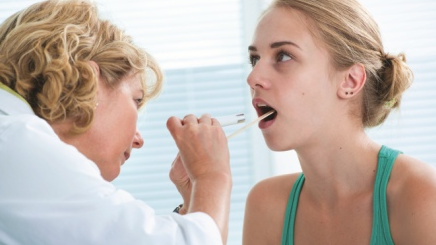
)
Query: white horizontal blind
[{"x": 410, "y": 27}]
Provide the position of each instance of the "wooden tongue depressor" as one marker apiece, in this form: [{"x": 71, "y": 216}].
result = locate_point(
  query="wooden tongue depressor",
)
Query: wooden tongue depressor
[{"x": 250, "y": 124}]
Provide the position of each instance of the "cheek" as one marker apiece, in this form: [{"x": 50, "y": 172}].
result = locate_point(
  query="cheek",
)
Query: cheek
[{"x": 129, "y": 123}]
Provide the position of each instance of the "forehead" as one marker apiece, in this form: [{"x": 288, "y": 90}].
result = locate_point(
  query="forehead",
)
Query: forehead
[
  {"x": 135, "y": 82},
  {"x": 281, "y": 23}
]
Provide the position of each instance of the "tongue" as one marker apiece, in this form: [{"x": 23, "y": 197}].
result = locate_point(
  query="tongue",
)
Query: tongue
[
  {"x": 271, "y": 116},
  {"x": 268, "y": 120}
]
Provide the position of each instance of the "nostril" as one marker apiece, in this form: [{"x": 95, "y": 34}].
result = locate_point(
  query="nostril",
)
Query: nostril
[{"x": 138, "y": 141}]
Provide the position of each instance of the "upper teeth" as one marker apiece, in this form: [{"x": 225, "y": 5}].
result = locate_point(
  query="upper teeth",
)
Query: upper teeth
[{"x": 261, "y": 105}]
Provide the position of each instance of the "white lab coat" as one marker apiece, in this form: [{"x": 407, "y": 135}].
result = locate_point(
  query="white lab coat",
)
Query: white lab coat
[{"x": 52, "y": 194}]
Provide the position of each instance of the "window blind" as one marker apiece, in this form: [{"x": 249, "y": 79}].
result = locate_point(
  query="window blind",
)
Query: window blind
[{"x": 410, "y": 27}]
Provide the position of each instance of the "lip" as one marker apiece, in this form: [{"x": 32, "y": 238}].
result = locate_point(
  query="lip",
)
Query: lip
[
  {"x": 126, "y": 156},
  {"x": 262, "y": 124}
]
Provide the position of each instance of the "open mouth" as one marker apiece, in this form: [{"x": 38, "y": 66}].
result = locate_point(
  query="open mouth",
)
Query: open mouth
[{"x": 264, "y": 108}]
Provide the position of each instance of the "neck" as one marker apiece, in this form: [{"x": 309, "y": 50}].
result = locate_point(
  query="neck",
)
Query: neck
[{"x": 341, "y": 169}]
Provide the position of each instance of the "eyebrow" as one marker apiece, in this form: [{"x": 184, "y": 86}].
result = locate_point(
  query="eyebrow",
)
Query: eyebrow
[{"x": 276, "y": 45}]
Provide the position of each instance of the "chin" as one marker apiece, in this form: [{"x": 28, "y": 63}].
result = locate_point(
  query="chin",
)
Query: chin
[
  {"x": 272, "y": 146},
  {"x": 277, "y": 146},
  {"x": 110, "y": 175}
]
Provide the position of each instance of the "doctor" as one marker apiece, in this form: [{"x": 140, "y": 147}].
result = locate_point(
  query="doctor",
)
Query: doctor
[{"x": 71, "y": 85}]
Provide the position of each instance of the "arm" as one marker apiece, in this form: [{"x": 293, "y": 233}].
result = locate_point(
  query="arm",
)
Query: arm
[
  {"x": 254, "y": 232},
  {"x": 51, "y": 191},
  {"x": 204, "y": 155},
  {"x": 265, "y": 210},
  {"x": 413, "y": 203}
]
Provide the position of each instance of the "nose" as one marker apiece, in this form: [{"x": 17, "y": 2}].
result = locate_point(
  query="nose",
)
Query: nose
[
  {"x": 257, "y": 79},
  {"x": 138, "y": 141}
]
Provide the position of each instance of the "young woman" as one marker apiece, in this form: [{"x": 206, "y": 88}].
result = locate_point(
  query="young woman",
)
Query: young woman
[
  {"x": 321, "y": 66},
  {"x": 71, "y": 85}
]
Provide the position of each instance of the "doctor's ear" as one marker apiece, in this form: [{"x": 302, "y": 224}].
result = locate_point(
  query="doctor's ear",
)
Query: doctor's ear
[
  {"x": 96, "y": 67},
  {"x": 352, "y": 82}
]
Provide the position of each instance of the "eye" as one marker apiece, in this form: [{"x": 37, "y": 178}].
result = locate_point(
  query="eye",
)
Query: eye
[
  {"x": 253, "y": 59},
  {"x": 283, "y": 57},
  {"x": 138, "y": 102}
]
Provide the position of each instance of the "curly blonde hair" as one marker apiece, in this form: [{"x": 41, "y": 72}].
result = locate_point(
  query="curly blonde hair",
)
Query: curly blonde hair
[
  {"x": 351, "y": 36},
  {"x": 46, "y": 54}
]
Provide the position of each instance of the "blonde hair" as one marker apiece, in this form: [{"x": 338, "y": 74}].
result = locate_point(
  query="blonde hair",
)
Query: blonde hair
[
  {"x": 46, "y": 55},
  {"x": 351, "y": 36}
]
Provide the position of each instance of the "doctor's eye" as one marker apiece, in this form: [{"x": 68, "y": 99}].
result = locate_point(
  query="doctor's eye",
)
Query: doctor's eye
[
  {"x": 253, "y": 59},
  {"x": 138, "y": 102}
]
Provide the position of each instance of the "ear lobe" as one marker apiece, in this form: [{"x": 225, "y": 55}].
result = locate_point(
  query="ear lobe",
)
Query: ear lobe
[{"x": 355, "y": 78}]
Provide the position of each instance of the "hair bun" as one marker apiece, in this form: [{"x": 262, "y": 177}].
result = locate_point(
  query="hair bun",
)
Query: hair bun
[{"x": 396, "y": 77}]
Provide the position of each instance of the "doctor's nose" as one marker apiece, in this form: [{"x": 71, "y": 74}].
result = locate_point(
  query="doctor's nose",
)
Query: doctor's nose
[{"x": 138, "y": 141}]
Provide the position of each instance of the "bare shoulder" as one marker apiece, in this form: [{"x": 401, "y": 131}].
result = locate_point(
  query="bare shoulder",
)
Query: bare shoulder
[
  {"x": 265, "y": 209},
  {"x": 412, "y": 201},
  {"x": 274, "y": 187}
]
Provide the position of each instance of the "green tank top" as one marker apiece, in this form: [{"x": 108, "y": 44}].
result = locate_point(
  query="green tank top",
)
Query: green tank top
[{"x": 381, "y": 234}]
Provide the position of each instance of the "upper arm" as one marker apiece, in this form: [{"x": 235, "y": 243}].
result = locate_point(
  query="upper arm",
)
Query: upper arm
[
  {"x": 419, "y": 218},
  {"x": 413, "y": 218},
  {"x": 253, "y": 232},
  {"x": 265, "y": 210}
]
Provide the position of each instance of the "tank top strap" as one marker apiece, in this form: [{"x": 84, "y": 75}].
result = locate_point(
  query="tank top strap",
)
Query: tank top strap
[
  {"x": 381, "y": 233},
  {"x": 291, "y": 212}
]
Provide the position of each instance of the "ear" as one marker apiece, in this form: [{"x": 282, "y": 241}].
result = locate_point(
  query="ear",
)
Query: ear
[
  {"x": 352, "y": 82},
  {"x": 96, "y": 67},
  {"x": 100, "y": 84}
]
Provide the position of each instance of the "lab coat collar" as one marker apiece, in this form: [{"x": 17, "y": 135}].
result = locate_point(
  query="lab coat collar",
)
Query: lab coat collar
[{"x": 13, "y": 104}]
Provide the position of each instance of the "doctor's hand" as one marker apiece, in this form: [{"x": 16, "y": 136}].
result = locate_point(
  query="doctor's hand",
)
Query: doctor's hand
[
  {"x": 202, "y": 145},
  {"x": 205, "y": 157},
  {"x": 181, "y": 180}
]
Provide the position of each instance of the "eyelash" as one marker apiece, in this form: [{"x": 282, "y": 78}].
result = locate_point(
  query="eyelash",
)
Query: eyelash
[
  {"x": 138, "y": 101},
  {"x": 281, "y": 53},
  {"x": 252, "y": 59}
]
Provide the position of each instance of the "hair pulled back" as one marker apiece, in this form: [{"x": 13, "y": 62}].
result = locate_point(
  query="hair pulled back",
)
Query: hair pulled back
[{"x": 351, "y": 36}]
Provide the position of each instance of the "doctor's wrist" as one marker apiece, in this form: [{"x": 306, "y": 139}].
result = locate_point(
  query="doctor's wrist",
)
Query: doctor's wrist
[{"x": 181, "y": 209}]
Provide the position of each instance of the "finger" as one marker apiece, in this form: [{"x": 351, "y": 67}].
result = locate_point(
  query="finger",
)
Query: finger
[
  {"x": 190, "y": 119},
  {"x": 215, "y": 122},
  {"x": 176, "y": 169},
  {"x": 205, "y": 119},
  {"x": 177, "y": 159}
]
